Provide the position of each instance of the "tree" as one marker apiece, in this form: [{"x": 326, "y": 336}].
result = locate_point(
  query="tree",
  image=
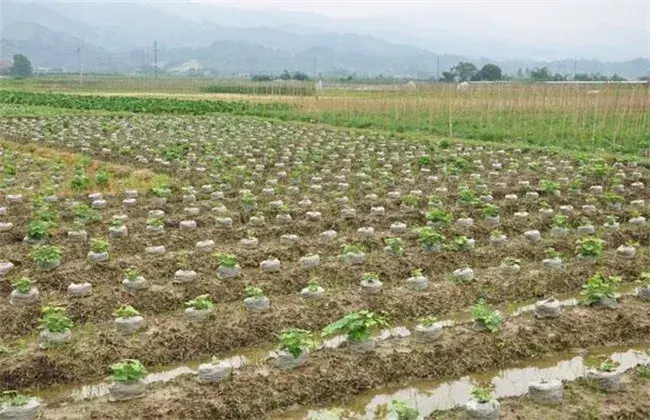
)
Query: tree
[
  {"x": 490, "y": 72},
  {"x": 540, "y": 74},
  {"x": 285, "y": 75},
  {"x": 22, "y": 67},
  {"x": 448, "y": 77},
  {"x": 464, "y": 71},
  {"x": 298, "y": 75}
]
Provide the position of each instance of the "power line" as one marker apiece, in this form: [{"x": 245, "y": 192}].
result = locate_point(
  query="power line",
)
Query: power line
[{"x": 79, "y": 66}]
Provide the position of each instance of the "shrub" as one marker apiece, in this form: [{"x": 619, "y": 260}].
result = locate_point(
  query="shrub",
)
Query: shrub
[{"x": 38, "y": 229}]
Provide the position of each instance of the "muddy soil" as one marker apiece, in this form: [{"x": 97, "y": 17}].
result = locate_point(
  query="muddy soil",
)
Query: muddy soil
[{"x": 335, "y": 375}]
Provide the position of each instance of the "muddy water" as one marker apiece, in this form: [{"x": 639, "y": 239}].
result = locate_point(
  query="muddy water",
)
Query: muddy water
[{"x": 430, "y": 396}]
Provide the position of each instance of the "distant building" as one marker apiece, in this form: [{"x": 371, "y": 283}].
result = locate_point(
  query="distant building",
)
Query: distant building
[{"x": 5, "y": 65}]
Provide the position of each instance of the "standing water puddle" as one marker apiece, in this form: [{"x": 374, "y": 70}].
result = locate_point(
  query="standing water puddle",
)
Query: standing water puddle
[{"x": 430, "y": 396}]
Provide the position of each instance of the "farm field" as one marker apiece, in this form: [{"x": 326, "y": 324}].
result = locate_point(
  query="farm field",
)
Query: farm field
[
  {"x": 193, "y": 264},
  {"x": 581, "y": 117}
]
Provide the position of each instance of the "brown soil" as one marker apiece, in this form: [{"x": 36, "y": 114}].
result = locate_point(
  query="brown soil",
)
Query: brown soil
[{"x": 335, "y": 375}]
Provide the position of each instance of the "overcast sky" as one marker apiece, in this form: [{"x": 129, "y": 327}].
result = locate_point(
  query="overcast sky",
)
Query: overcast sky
[{"x": 569, "y": 21}]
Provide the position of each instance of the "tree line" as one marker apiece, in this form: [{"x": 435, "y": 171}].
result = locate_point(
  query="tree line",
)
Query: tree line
[{"x": 465, "y": 71}]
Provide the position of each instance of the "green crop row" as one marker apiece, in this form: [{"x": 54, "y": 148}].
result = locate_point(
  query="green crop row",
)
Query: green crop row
[
  {"x": 139, "y": 104},
  {"x": 262, "y": 89}
]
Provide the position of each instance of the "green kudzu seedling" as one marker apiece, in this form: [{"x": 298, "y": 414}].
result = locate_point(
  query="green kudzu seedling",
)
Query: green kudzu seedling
[
  {"x": 428, "y": 320},
  {"x": 46, "y": 254},
  {"x": 403, "y": 411},
  {"x": 86, "y": 214},
  {"x": 644, "y": 279},
  {"x": 608, "y": 366},
  {"x": 411, "y": 200},
  {"x": 370, "y": 277},
  {"x": 590, "y": 247},
  {"x": 295, "y": 341},
  {"x": 352, "y": 249},
  {"x": 460, "y": 243},
  {"x": 467, "y": 197},
  {"x": 600, "y": 287},
  {"x": 313, "y": 285},
  {"x": 439, "y": 216},
  {"x": 227, "y": 260},
  {"x": 23, "y": 285},
  {"x": 14, "y": 399},
  {"x": 396, "y": 245},
  {"x": 99, "y": 245},
  {"x": 485, "y": 315},
  {"x": 552, "y": 253},
  {"x": 131, "y": 274},
  {"x": 357, "y": 325},
  {"x": 199, "y": 303},
  {"x": 126, "y": 311},
  {"x": 253, "y": 292},
  {"x": 102, "y": 178},
  {"x": 511, "y": 261},
  {"x": 549, "y": 187},
  {"x": 161, "y": 192},
  {"x": 561, "y": 220},
  {"x": 128, "y": 370},
  {"x": 54, "y": 320},
  {"x": 429, "y": 238},
  {"x": 490, "y": 210},
  {"x": 155, "y": 222},
  {"x": 38, "y": 229},
  {"x": 482, "y": 395},
  {"x": 417, "y": 272},
  {"x": 116, "y": 223}
]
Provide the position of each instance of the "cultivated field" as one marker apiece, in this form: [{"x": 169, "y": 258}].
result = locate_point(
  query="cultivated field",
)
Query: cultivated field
[
  {"x": 166, "y": 258},
  {"x": 584, "y": 117}
]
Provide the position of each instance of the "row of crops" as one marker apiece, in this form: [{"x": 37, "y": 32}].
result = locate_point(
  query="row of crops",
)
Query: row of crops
[
  {"x": 138, "y": 104},
  {"x": 333, "y": 263},
  {"x": 303, "y": 89}
]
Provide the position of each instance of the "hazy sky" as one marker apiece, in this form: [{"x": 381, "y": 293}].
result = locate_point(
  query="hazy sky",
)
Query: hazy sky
[{"x": 570, "y": 21}]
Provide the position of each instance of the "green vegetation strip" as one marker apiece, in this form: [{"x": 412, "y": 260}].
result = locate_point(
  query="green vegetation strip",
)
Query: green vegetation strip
[{"x": 139, "y": 104}]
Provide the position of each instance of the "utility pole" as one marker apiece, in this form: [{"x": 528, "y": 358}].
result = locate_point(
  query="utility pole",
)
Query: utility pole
[
  {"x": 79, "y": 66},
  {"x": 315, "y": 67},
  {"x": 155, "y": 58},
  {"x": 437, "y": 67},
  {"x": 574, "y": 69}
]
